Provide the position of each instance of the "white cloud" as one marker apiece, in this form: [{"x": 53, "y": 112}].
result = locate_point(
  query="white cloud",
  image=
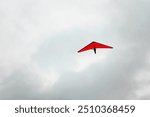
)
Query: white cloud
[
  {"x": 85, "y": 60},
  {"x": 40, "y": 39}
]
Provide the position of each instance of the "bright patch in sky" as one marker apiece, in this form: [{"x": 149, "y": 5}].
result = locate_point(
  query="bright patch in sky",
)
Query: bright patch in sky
[{"x": 86, "y": 59}]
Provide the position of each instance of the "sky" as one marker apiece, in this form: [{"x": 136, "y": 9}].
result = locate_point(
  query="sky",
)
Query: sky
[{"x": 39, "y": 40}]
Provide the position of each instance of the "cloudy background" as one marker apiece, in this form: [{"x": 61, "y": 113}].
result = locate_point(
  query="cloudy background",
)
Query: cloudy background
[{"x": 39, "y": 40}]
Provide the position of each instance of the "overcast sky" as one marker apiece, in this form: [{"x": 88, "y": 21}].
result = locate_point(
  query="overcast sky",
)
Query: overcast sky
[{"x": 39, "y": 40}]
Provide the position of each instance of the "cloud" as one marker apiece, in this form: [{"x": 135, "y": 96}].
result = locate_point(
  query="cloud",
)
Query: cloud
[{"x": 40, "y": 39}]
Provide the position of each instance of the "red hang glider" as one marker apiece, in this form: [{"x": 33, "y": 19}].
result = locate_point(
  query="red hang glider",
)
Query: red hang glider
[{"x": 94, "y": 45}]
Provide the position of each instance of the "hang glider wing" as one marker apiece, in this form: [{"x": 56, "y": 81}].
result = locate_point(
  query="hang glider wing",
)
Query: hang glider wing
[
  {"x": 94, "y": 45},
  {"x": 88, "y": 47}
]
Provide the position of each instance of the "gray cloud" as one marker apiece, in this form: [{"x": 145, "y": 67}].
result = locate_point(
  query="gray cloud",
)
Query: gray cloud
[{"x": 40, "y": 61}]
